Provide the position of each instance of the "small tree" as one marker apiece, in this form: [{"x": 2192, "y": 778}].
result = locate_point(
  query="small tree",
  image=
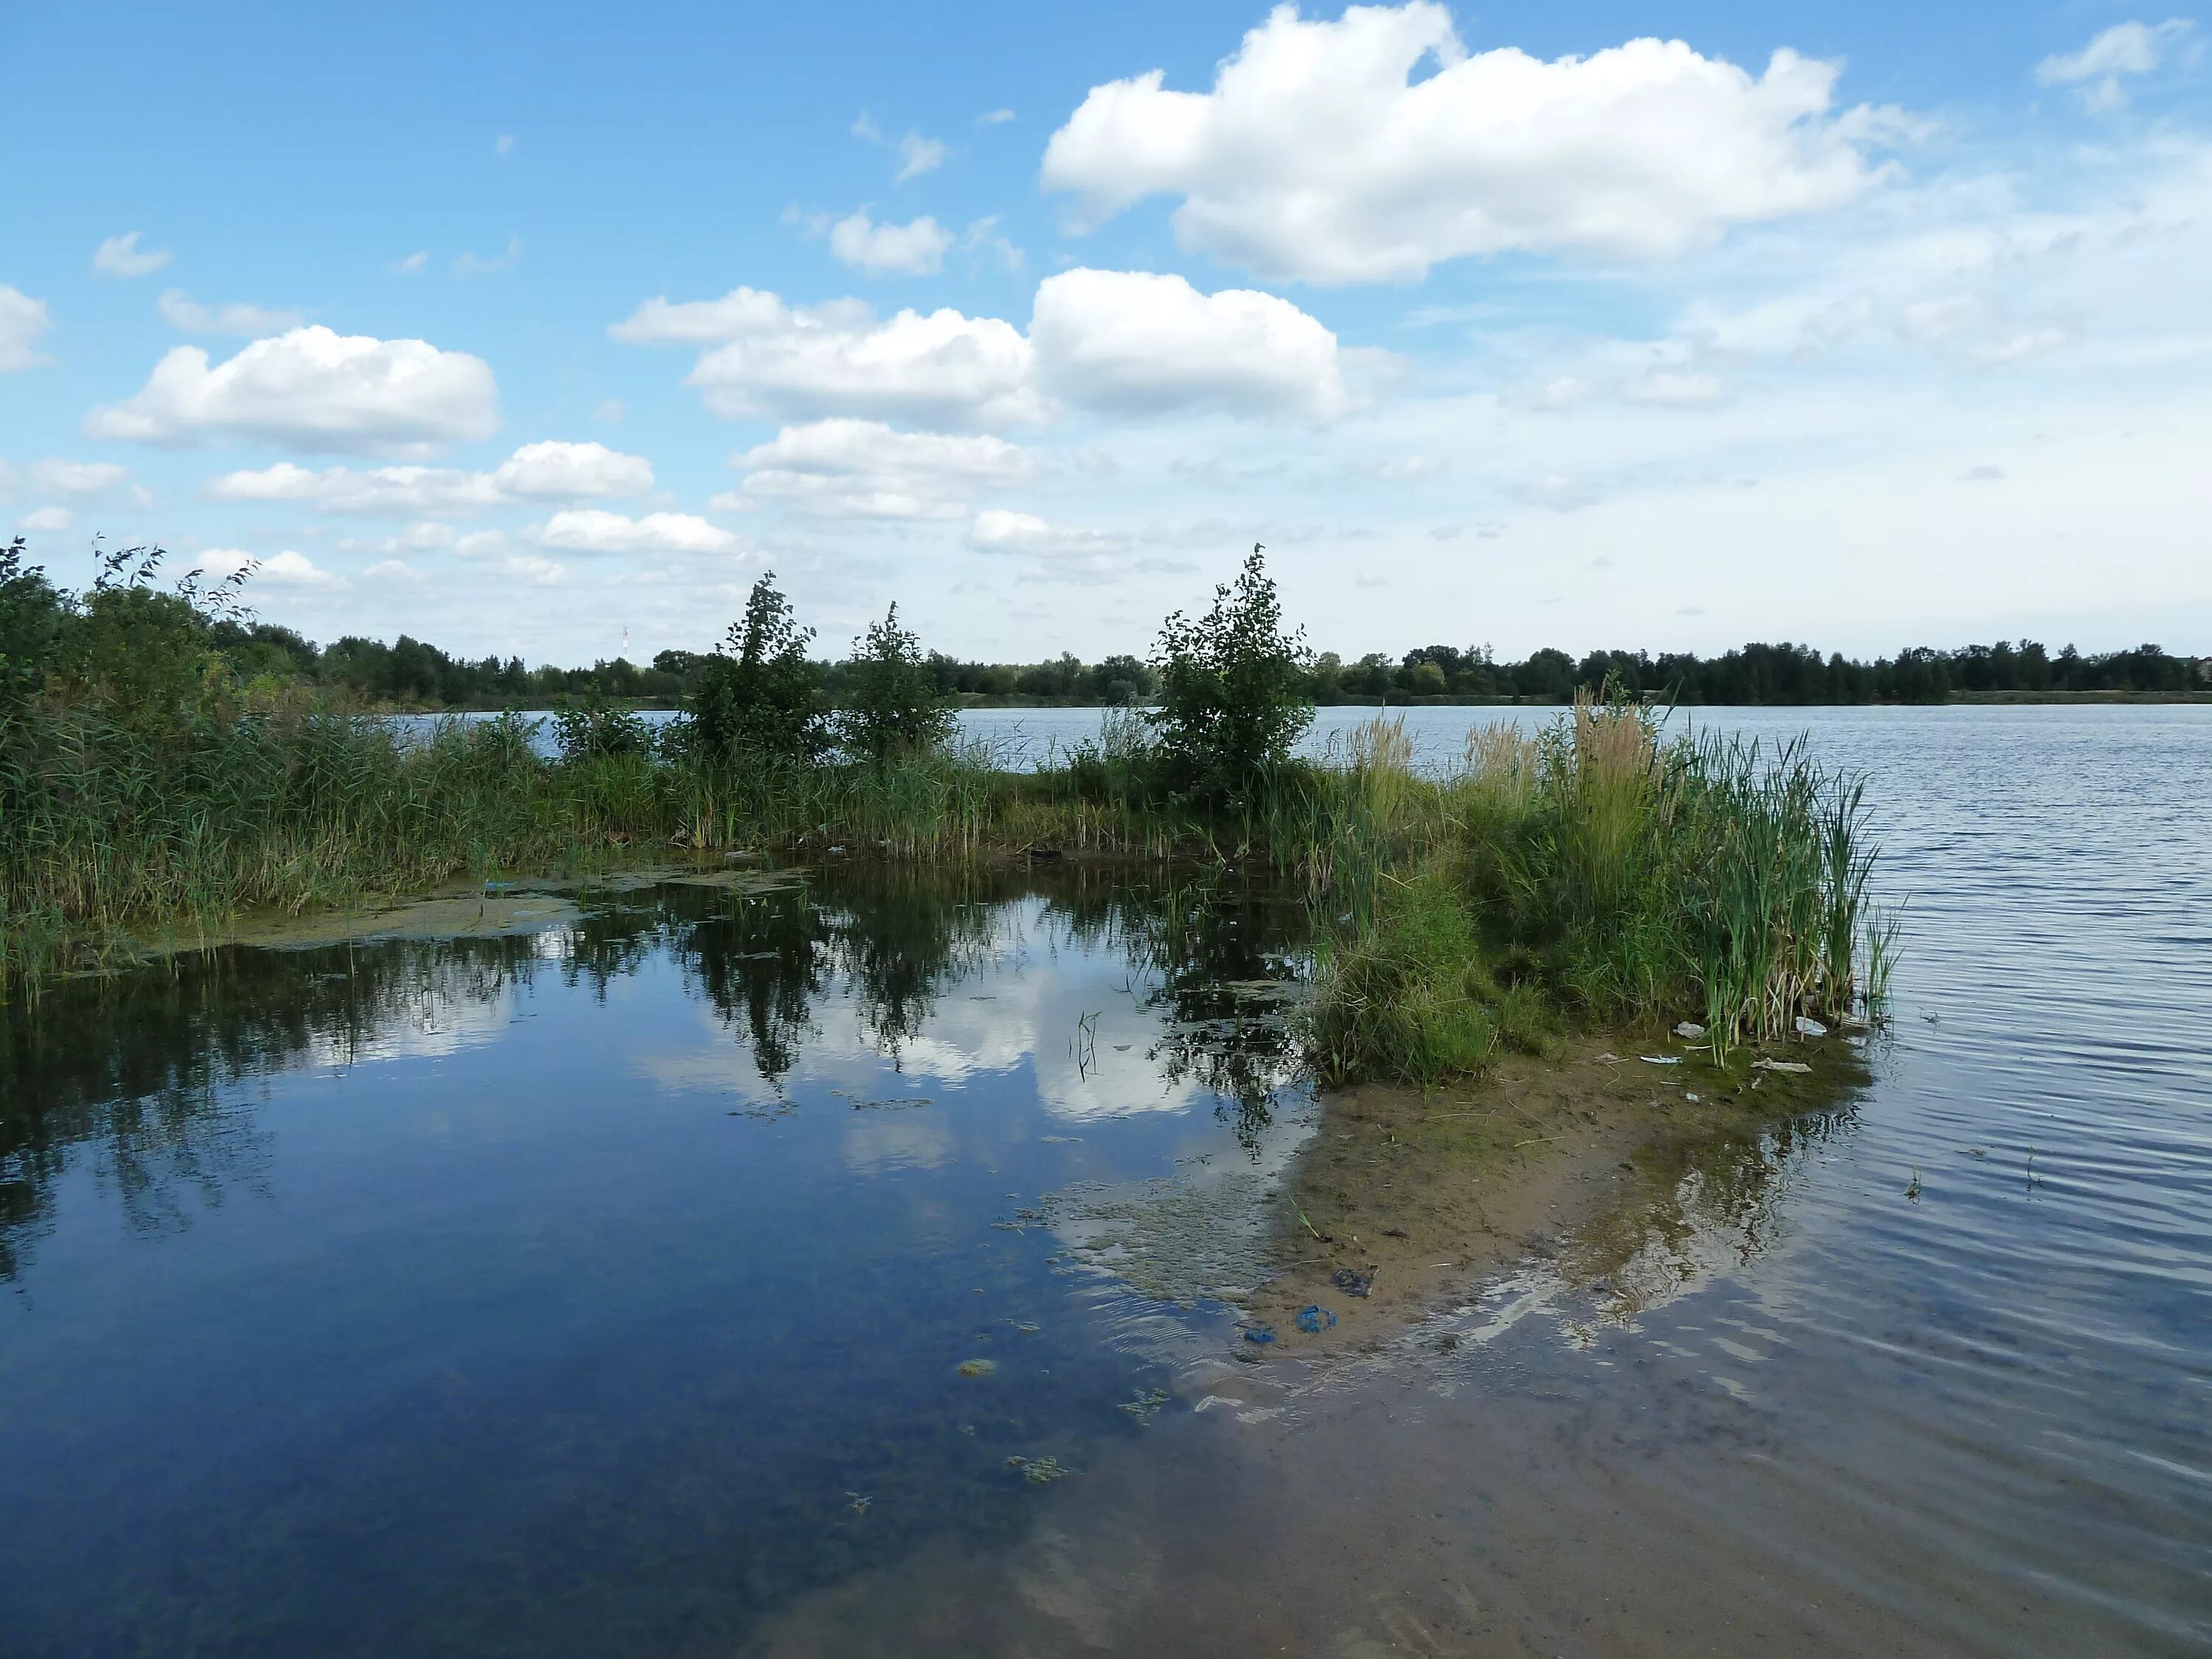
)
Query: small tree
[
  {"x": 892, "y": 705},
  {"x": 756, "y": 694},
  {"x": 1233, "y": 687}
]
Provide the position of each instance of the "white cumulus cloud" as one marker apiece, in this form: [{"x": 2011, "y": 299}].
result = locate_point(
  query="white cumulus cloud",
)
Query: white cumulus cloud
[
  {"x": 121, "y": 256},
  {"x": 595, "y": 530},
  {"x": 1131, "y": 342},
  {"x": 1125, "y": 342},
  {"x": 566, "y": 471},
  {"x": 181, "y": 312},
  {"x": 999, "y": 531},
  {"x": 535, "y": 472},
  {"x": 345, "y": 489},
  {"x": 286, "y": 568},
  {"x": 313, "y": 388},
  {"x": 23, "y": 323},
  {"x": 808, "y": 362},
  {"x": 49, "y": 518},
  {"x": 1323, "y": 154},
  {"x": 847, "y": 468},
  {"x": 911, "y": 250}
]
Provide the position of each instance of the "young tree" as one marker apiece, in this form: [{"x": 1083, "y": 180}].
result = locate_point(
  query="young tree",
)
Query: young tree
[
  {"x": 1232, "y": 687},
  {"x": 892, "y": 705},
  {"x": 755, "y": 694}
]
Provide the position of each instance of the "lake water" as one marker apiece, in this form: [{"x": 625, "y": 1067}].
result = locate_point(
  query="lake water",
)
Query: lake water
[{"x": 607, "y": 1289}]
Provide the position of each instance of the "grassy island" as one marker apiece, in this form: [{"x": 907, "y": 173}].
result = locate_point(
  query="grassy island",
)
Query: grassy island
[{"x": 155, "y": 779}]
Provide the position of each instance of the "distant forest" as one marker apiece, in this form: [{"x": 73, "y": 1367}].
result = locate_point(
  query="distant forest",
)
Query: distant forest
[{"x": 413, "y": 674}]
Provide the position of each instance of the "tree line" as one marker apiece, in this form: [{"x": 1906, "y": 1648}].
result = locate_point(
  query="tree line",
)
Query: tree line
[{"x": 411, "y": 673}]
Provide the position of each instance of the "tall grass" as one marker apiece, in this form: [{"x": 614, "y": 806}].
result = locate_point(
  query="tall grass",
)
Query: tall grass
[
  {"x": 1621, "y": 880},
  {"x": 1591, "y": 872}
]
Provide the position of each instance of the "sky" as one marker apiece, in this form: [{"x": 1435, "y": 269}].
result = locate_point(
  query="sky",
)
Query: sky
[{"x": 547, "y": 330}]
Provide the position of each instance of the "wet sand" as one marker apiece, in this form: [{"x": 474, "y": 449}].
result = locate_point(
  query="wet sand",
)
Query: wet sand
[{"x": 1414, "y": 1195}]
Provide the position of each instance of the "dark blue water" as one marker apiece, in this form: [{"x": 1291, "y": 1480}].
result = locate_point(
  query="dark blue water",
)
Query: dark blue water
[{"x": 605, "y": 1290}]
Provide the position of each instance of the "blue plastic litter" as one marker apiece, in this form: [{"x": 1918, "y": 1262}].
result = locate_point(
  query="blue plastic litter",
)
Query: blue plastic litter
[
  {"x": 1351, "y": 1281},
  {"x": 1262, "y": 1335},
  {"x": 1315, "y": 1318}
]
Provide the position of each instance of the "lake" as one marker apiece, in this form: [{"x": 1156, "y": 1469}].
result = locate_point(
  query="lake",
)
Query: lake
[{"x": 680, "y": 1277}]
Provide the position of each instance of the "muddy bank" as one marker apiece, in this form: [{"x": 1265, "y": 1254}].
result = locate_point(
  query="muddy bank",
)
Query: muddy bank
[{"x": 1400, "y": 1198}]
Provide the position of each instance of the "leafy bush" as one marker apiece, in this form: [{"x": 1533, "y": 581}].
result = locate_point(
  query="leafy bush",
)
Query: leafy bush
[
  {"x": 758, "y": 694},
  {"x": 591, "y": 728},
  {"x": 892, "y": 705},
  {"x": 1232, "y": 688}
]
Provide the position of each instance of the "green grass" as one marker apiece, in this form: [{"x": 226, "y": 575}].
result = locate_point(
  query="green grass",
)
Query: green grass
[
  {"x": 1598, "y": 873},
  {"x": 1589, "y": 875}
]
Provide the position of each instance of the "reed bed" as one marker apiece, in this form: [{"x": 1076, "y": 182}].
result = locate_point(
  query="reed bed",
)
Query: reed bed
[
  {"x": 1593, "y": 871},
  {"x": 1590, "y": 873}
]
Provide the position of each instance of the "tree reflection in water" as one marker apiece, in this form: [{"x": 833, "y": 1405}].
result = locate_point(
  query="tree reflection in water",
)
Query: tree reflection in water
[{"x": 137, "y": 1076}]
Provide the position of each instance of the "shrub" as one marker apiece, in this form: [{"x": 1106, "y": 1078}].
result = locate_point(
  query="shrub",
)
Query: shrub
[
  {"x": 1232, "y": 692},
  {"x": 757, "y": 694},
  {"x": 591, "y": 728},
  {"x": 892, "y": 705}
]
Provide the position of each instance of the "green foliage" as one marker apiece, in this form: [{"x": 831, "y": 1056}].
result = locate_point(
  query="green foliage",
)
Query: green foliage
[
  {"x": 588, "y": 728},
  {"x": 1411, "y": 997},
  {"x": 892, "y": 706},
  {"x": 1232, "y": 688},
  {"x": 31, "y": 619},
  {"x": 1599, "y": 872},
  {"x": 758, "y": 694}
]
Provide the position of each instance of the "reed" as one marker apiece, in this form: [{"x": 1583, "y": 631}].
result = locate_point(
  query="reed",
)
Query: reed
[
  {"x": 1598, "y": 871},
  {"x": 1592, "y": 873}
]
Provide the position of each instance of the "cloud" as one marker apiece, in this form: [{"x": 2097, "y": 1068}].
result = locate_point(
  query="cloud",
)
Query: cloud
[
  {"x": 1981, "y": 474},
  {"x": 47, "y": 518},
  {"x": 2124, "y": 49},
  {"x": 1557, "y": 492},
  {"x": 998, "y": 530},
  {"x": 1320, "y": 155},
  {"x": 79, "y": 478},
  {"x": 392, "y": 570},
  {"x": 918, "y": 155},
  {"x": 866, "y": 469},
  {"x": 995, "y": 118},
  {"x": 1673, "y": 388},
  {"x": 528, "y": 567},
  {"x": 741, "y": 312},
  {"x": 414, "y": 265},
  {"x": 564, "y": 471},
  {"x": 181, "y": 312},
  {"x": 286, "y": 568},
  {"x": 343, "y": 489},
  {"x": 476, "y": 265},
  {"x": 539, "y": 472},
  {"x": 23, "y": 323},
  {"x": 594, "y": 530},
  {"x": 912, "y": 250},
  {"x": 1131, "y": 342},
  {"x": 314, "y": 389},
  {"x": 808, "y": 362},
  {"x": 121, "y": 257},
  {"x": 503, "y": 145},
  {"x": 1118, "y": 342}
]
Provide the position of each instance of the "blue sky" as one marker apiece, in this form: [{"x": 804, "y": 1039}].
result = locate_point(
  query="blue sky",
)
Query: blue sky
[{"x": 525, "y": 329}]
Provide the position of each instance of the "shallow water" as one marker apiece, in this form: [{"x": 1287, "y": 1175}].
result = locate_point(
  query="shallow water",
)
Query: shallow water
[{"x": 607, "y": 1289}]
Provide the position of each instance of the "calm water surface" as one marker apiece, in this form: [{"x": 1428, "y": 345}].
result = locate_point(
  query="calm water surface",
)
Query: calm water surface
[{"x": 607, "y": 1289}]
